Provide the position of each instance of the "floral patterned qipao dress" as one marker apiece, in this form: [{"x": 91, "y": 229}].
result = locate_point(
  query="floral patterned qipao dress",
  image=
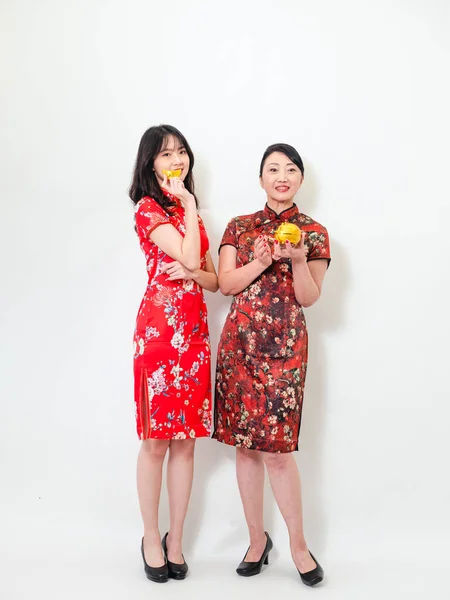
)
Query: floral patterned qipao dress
[
  {"x": 172, "y": 355},
  {"x": 263, "y": 349}
]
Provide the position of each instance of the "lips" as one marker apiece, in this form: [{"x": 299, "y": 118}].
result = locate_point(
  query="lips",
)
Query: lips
[{"x": 282, "y": 188}]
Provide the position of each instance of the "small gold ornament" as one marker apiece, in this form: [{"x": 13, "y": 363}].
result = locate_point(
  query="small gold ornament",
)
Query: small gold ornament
[
  {"x": 288, "y": 231},
  {"x": 171, "y": 174}
]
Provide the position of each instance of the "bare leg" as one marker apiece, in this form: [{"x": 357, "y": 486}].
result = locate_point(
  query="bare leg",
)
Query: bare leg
[
  {"x": 250, "y": 476},
  {"x": 180, "y": 472},
  {"x": 149, "y": 476},
  {"x": 285, "y": 481}
]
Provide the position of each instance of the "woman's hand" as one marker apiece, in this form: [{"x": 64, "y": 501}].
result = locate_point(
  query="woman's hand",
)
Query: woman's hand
[
  {"x": 175, "y": 186},
  {"x": 175, "y": 270},
  {"x": 297, "y": 254},
  {"x": 261, "y": 251}
]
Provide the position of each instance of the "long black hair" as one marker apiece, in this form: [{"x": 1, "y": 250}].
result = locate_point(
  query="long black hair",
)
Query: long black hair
[
  {"x": 144, "y": 182},
  {"x": 285, "y": 149}
]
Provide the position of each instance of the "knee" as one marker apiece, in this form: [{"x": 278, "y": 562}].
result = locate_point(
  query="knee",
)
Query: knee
[
  {"x": 155, "y": 450},
  {"x": 244, "y": 455},
  {"x": 277, "y": 462},
  {"x": 182, "y": 449}
]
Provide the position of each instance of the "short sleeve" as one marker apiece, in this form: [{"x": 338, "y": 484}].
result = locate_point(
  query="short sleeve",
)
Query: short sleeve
[
  {"x": 149, "y": 215},
  {"x": 319, "y": 244},
  {"x": 229, "y": 238}
]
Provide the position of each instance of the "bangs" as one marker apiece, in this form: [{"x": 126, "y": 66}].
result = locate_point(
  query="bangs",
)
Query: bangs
[{"x": 165, "y": 142}]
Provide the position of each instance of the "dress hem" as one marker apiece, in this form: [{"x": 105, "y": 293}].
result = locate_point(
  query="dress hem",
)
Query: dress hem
[
  {"x": 231, "y": 443},
  {"x": 198, "y": 434}
]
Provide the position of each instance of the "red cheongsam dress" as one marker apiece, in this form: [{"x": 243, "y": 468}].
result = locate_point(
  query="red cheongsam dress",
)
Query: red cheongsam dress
[{"x": 172, "y": 355}]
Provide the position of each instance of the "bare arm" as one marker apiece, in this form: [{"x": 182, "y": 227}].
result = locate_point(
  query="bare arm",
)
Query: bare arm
[
  {"x": 308, "y": 279},
  {"x": 233, "y": 280},
  {"x": 308, "y": 276},
  {"x": 206, "y": 278},
  {"x": 185, "y": 250}
]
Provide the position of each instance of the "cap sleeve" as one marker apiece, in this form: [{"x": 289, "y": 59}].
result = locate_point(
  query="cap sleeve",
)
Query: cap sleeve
[
  {"x": 319, "y": 244},
  {"x": 229, "y": 237},
  {"x": 148, "y": 216}
]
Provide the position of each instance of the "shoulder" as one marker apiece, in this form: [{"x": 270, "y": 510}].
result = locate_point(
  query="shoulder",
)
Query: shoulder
[
  {"x": 246, "y": 222},
  {"x": 146, "y": 203},
  {"x": 316, "y": 239},
  {"x": 309, "y": 224}
]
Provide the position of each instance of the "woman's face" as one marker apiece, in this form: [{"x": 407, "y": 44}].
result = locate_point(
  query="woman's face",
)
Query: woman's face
[
  {"x": 281, "y": 178},
  {"x": 171, "y": 157}
]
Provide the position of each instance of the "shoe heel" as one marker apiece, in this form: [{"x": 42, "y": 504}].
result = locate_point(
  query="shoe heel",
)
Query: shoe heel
[{"x": 248, "y": 569}]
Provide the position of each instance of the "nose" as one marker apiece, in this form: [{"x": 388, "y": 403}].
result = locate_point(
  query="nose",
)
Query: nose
[
  {"x": 282, "y": 177},
  {"x": 177, "y": 160}
]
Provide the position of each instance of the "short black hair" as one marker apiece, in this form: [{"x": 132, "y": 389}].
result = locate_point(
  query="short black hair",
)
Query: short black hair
[{"x": 288, "y": 151}]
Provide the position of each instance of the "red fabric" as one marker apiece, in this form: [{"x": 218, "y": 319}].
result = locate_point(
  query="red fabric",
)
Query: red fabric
[
  {"x": 172, "y": 355},
  {"x": 263, "y": 350}
]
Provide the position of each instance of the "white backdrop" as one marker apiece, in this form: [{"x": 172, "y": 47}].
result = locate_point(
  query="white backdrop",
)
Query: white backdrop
[{"x": 360, "y": 88}]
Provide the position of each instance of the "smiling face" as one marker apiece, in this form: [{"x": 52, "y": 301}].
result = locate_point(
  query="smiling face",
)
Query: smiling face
[
  {"x": 280, "y": 179},
  {"x": 171, "y": 157}
]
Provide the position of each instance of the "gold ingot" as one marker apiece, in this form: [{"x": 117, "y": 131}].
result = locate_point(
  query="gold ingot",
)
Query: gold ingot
[
  {"x": 171, "y": 174},
  {"x": 288, "y": 231}
]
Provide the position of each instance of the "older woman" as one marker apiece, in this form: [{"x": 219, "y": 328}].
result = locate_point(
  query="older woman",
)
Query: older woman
[{"x": 263, "y": 351}]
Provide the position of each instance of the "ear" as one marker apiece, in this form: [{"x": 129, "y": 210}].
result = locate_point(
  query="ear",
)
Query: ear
[{"x": 261, "y": 182}]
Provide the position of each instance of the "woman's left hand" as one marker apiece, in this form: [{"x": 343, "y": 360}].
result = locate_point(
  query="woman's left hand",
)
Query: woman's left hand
[
  {"x": 297, "y": 254},
  {"x": 175, "y": 270}
]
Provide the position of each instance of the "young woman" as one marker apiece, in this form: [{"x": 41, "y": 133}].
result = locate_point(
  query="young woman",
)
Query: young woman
[
  {"x": 171, "y": 340},
  {"x": 263, "y": 351}
]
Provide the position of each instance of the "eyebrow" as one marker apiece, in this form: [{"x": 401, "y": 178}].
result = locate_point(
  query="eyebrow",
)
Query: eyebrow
[
  {"x": 167, "y": 149},
  {"x": 278, "y": 164}
]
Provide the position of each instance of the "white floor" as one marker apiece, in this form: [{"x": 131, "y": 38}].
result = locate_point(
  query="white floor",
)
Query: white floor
[
  {"x": 118, "y": 575},
  {"x": 56, "y": 551}
]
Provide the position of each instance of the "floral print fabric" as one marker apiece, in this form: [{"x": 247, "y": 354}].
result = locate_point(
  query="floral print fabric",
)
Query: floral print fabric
[
  {"x": 263, "y": 350},
  {"x": 172, "y": 356}
]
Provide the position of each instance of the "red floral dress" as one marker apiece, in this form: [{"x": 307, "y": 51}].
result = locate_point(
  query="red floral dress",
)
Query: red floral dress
[
  {"x": 172, "y": 355},
  {"x": 263, "y": 349}
]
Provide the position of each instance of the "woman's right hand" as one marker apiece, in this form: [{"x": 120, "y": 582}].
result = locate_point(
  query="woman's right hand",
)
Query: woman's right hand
[
  {"x": 175, "y": 186},
  {"x": 261, "y": 251},
  {"x": 175, "y": 270}
]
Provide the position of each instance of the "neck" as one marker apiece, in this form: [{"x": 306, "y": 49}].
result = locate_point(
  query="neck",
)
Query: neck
[{"x": 279, "y": 206}]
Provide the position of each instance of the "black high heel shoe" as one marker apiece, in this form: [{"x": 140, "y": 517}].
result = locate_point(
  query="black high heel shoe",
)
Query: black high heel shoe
[
  {"x": 247, "y": 569},
  {"x": 312, "y": 577},
  {"x": 156, "y": 574},
  {"x": 176, "y": 570}
]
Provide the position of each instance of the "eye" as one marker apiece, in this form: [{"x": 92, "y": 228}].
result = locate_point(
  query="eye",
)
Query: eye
[
  {"x": 183, "y": 152},
  {"x": 166, "y": 154},
  {"x": 272, "y": 170},
  {"x": 292, "y": 170}
]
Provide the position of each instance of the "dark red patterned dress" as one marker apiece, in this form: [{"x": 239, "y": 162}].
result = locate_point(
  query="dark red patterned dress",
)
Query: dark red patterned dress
[
  {"x": 172, "y": 356},
  {"x": 263, "y": 349}
]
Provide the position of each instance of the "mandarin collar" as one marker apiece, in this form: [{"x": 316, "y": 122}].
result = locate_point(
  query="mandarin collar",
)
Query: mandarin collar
[{"x": 284, "y": 215}]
